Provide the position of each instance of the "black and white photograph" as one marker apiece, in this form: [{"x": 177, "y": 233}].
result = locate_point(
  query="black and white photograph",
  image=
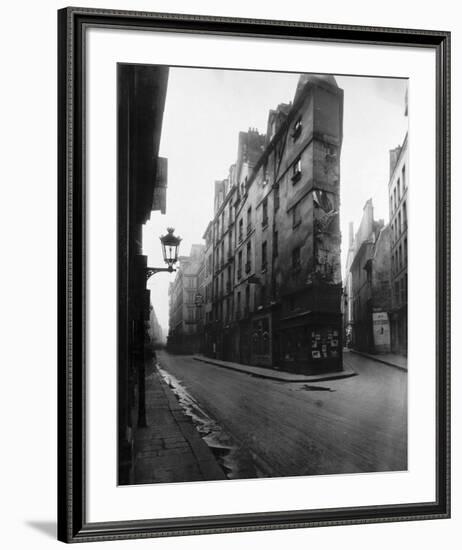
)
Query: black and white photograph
[
  {"x": 227, "y": 290},
  {"x": 262, "y": 268}
]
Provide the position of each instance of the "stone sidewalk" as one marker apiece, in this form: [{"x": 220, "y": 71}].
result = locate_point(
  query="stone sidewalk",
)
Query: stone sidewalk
[
  {"x": 390, "y": 359},
  {"x": 280, "y": 376},
  {"x": 170, "y": 449}
]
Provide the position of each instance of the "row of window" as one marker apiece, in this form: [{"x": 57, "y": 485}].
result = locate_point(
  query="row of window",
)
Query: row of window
[
  {"x": 264, "y": 256},
  {"x": 399, "y": 260},
  {"x": 399, "y": 257},
  {"x": 297, "y": 170},
  {"x": 399, "y": 225},
  {"x": 296, "y": 220},
  {"x": 398, "y": 190},
  {"x": 221, "y": 257},
  {"x": 224, "y": 311},
  {"x": 296, "y": 175},
  {"x": 245, "y": 268},
  {"x": 400, "y": 290},
  {"x": 222, "y": 224},
  {"x": 228, "y": 310},
  {"x": 220, "y": 286},
  {"x": 209, "y": 266}
]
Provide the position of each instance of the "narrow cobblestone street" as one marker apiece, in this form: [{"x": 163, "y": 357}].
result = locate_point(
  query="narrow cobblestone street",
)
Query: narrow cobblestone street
[{"x": 356, "y": 424}]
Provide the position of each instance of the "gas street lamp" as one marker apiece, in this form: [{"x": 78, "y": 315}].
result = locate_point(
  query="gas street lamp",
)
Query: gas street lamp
[{"x": 170, "y": 245}]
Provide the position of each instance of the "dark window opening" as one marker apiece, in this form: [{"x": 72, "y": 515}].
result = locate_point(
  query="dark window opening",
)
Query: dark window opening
[
  {"x": 297, "y": 170},
  {"x": 265, "y": 212},
  {"x": 297, "y": 129},
  {"x": 263, "y": 256},
  {"x": 296, "y": 218},
  {"x": 296, "y": 258}
]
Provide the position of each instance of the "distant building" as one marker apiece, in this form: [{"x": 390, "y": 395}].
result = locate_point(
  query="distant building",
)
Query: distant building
[
  {"x": 398, "y": 204},
  {"x": 184, "y": 335},
  {"x": 347, "y": 304},
  {"x": 199, "y": 301},
  {"x": 205, "y": 289},
  {"x": 273, "y": 281},
  {"x": 368, "y": 287},
  {"x": 156, "y": 336}
]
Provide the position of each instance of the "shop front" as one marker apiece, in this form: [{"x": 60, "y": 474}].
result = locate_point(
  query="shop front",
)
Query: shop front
[{"x": 310, "y": 343}]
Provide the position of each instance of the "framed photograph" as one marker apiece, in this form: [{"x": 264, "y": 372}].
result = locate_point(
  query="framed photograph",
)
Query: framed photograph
[{"x": 254, "y": 256}]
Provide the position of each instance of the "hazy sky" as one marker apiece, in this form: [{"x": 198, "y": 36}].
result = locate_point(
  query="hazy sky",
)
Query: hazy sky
[{"x": 204, "y": 112}]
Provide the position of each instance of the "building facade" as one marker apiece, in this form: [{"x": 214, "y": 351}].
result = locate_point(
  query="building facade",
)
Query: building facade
[
  {"x": 184, "y": 317},
  {"x": 141, "y": 188},
  {"x": 368, "y": 285},
  {"x": 347, "y": 302},
  {"x": 155, "y": 332},
  {"x": 205, "y": 290},
  {"x": 273, "y": 245},
  {"x": 398, "y": 204}
]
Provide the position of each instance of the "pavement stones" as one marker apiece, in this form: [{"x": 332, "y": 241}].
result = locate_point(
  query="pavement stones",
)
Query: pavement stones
[
  {"x": 390, "y": 359},
  {"x": 170, "y": 449},
  {"x": 280, "y": 376}
]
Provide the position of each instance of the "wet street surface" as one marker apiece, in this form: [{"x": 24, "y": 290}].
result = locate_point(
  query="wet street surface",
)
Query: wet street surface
[
  {"x": 262, "y": 428},
  {"x": 236, "y": 461}
]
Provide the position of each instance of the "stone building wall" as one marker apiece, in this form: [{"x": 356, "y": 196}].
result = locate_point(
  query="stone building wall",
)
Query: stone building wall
[
  {"x": 276, "y": 238},
  {"x": 370, "y": 285},
  {"x": 399, "y": 207}
]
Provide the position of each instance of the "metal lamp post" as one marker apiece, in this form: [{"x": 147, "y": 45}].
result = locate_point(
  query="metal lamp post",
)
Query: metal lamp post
[{"x": 170, "y": 245}]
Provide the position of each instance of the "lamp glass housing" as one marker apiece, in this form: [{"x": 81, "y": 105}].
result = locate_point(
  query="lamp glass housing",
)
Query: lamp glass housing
[{"x": 170, "y": 245}]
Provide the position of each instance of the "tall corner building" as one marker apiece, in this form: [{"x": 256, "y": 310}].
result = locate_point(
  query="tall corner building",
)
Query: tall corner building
[{"x": 273, "y": 272}]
